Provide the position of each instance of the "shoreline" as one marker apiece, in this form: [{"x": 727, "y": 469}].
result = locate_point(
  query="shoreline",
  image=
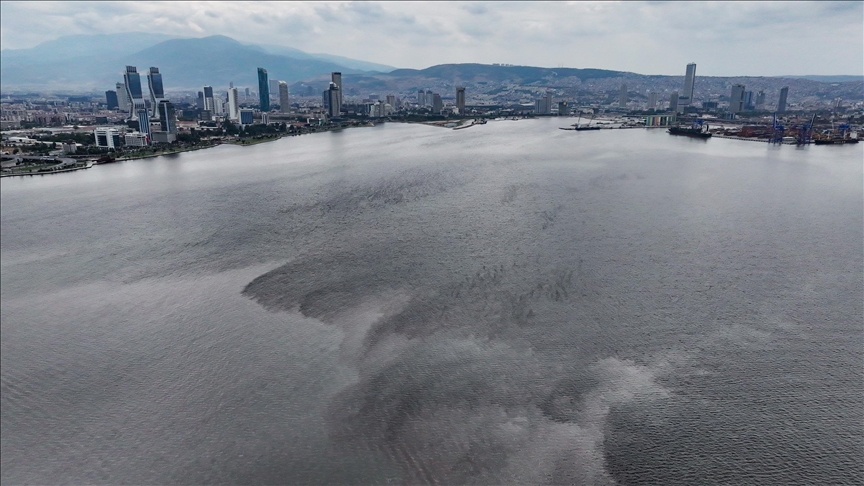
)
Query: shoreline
[{"x": 461, "y": 124}]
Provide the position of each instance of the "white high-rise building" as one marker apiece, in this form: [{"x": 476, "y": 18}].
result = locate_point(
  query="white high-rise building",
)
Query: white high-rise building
[
  {"x": 284, "y": 102},
  {"x": 233, "y": 105},
  {"x": 122, "y": 97}
]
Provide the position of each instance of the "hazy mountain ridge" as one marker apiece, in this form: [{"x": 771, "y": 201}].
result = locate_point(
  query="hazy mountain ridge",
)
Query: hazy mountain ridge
[{"x": 96, "y": 62}]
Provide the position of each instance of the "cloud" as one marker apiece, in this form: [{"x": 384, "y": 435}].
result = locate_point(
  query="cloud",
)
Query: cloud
[{"x": 725, "y": 38}]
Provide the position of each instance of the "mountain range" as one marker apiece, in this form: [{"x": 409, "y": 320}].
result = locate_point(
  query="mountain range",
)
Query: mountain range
[{"x": 96, "y": 62}]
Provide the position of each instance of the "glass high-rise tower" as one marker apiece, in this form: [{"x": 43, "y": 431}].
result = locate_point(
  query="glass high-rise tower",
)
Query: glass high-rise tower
[
  {"x": 133, "y": 90},
  {"x": 157, "y": 92},
  {"x": 263, "y": 90}
]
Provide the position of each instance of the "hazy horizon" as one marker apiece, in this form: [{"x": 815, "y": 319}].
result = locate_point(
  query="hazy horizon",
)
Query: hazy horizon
[{"x": 655, "y": 38}]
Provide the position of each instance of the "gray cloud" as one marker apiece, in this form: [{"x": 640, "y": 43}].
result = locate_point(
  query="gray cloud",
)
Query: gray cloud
[{"x": 725, "y": 38}]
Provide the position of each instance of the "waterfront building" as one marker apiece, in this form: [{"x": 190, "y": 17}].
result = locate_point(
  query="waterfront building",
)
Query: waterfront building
[
  {"x": 167, "y": 117},
  {"x": 673, "y": 102},
  {"x": 122, "y": 98},
  {"x": 737, "y": 98},
  {"x": 460, "y": 100},
  {"x": 622, "y": 97},
  {"x": 247, "y": 117},
  {"x": 132, "y": 80},
  {"x": 781, "y": 104},
  {"x": 107, "y": 137},
  {"x": 437, "y": 104},
  {"x": 157, "y": 91},
  {"x": 336, "y": 78},
  {"x": 563, "y": 108},
  {"x": 284, "y": 102},
  {"x": 263, "y": 90},
  {"x": 652, "y": 100},
  {"x": 233, "y": 105},
  {"x": 334, "y": 100},
  {"x": 686, "y": 98},
  {"x": 144, "y": 122},
  {"x": 137, "y": 139},
  {"x": 421, "y": 98},
  {"x": 429, "y": 99},
  {"x": 111, "y": 99}
]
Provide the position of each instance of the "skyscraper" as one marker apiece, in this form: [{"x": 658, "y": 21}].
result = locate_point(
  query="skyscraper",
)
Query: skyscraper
[
  {"x": 781, "y": 105},
  {"x": 144, "y": 122},
  {"x": 111, "y": 99},
  {"x": 157, "y": 91},
  {"x": 167, "y": 116},
  {"x": 460, "y": 100},
  {"x": 284, "y": 102},
  {"x": 336, "y": 78},
  {"x": 622, "y": 96},
  {"x": 263, "y": 90},
  {"x": 334, "y": 100},
  {"x": 132, "y": 80},
  {"x": 274, "y": 87},
  {"x": 737, "y": 98},
  {"x": 421, "y": 98},
  {"x": 199, "y": 102},
  {"x": 233, "y": 105},
  {"x": 429, "y": 97},
  {"x": 652, "y": 100},
  {"x": 673, "y": 102},
  {"x": 209, "y": 102},
  {"x": 122, "y": 98},
  {"x": 748, "y": 100},
  {"x": 760, "y": 100},
  {"x": 686, "y": 98},
  {"x": 437, "y": 104}
]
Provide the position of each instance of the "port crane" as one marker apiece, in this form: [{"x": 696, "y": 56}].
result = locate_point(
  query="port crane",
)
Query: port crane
[{"x": 779, "y": 131}]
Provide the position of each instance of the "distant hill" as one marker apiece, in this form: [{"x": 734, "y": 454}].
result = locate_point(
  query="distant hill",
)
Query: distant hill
[
  {"x": 840, "y": 78},
  {"x": 96, "y": 62},
  {"x": 492, "y": 72}
]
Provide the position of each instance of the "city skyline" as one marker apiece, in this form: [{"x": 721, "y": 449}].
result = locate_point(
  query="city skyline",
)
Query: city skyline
[{"x": 605, "y": 35}]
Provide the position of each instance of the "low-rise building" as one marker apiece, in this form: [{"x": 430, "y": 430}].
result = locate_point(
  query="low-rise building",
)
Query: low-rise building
[
  {"x": 136, "y": 139},
  {"x": 107, "y": 137}
]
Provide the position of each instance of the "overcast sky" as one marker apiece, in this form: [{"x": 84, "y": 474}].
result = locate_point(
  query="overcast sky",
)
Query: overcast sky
[{"x": 723, "y": 38}]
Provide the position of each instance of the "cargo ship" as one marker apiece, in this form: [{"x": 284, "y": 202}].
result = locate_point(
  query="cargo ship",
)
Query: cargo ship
[
  {"x": 835, "y": 141},
  {"x": 689, "y": 132}
]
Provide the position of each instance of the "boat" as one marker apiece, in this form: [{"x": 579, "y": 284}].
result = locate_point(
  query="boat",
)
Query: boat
[
  {"x": 835, "y": 141},
  {"x": 106, "y": 159},
  {"x": 579, "y": 128},
  {"x": 689, "y": 132}
]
